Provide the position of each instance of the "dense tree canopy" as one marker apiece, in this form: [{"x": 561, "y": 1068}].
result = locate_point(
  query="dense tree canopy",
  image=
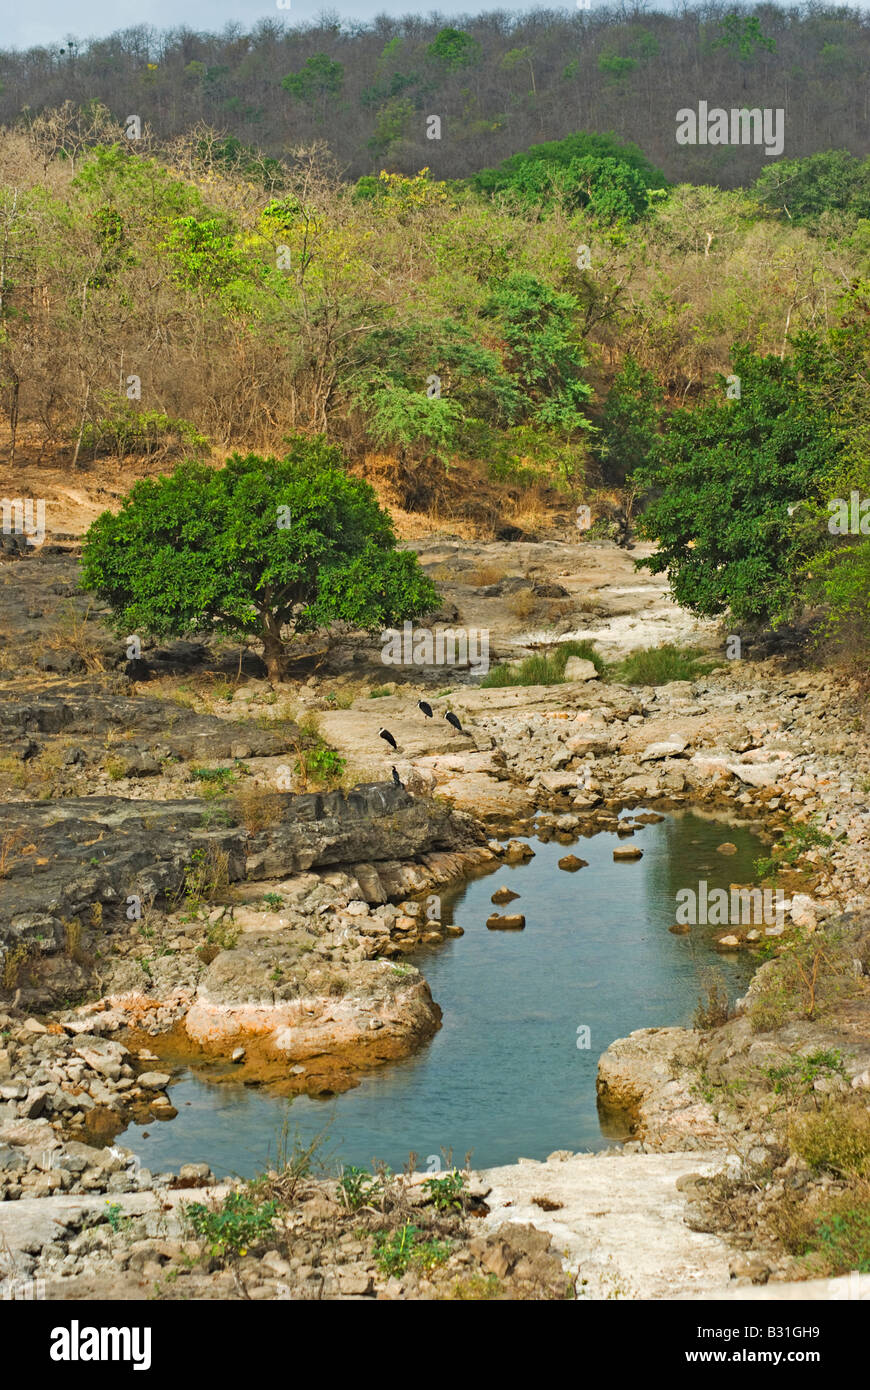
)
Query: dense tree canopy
[{"x": 261, "y": 547}]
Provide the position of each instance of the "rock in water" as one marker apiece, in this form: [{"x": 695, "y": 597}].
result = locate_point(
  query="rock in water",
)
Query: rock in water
[
  {"x": 726, "y": 848},
  {"x": 629, "y": 852},
  {"x": 572, "y": 863},
  {"x": 503, "y": 895},
  {"x": 514, "y": 923}
]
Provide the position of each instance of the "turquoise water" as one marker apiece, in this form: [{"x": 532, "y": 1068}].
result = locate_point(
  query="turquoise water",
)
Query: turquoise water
[{"x": 504, "y": 1077}]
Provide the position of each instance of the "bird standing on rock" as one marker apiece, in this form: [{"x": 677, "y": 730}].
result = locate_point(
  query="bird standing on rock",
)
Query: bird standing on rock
[
  {"x": 451, "y": 719},
  {"x": 425, "y": 707},
  {"x": 397, "y": 779},
  {"x": 388, "y": 737}
]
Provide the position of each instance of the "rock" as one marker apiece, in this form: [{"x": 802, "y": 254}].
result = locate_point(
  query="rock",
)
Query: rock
[
  {"x": 559, "y": 781},
  {"x": 728, "y": 942},
  {"x": 510, "y": 923},
  {"x": 571, "y": 863},
  {"x": 803, "y": 910},
  {"x": 198, "y": 1171},
  {"x": 680, "y": 929},
  {"x": 726, "y": 848},
  {"x": 500, "y": 896},
  {"x": 516, "y": 852},
  {"x": 670, "y": 749},
  {"x": 238, "y": 1054},
  {"x": 578, "y": 669},
  {"x": 357, "y": 1283},
  {"x": 628, "y": 852},
  {"x": 154, "y": 1080},
  {"x": 757, "y": 775}
]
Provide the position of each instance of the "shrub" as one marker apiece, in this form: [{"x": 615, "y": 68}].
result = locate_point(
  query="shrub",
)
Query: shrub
[
  {"x": 837, "y": 1138},
  {"x": 237, "y": 1222},
  {"x": 448, "y": 1192},
  {"x": 394, "y": 1251},
  {"x": 658, "y": 665},
  {"x": 544, "y": 670}
]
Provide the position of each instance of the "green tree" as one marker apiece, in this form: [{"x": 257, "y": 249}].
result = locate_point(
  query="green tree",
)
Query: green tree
[
  {"x": 539, "y": 326},
  {"x": 629, "y": 422},
  {"x": 263, "y": 547},
  {"x": 804, "y": 190},
  {"x": 723, "y": 480},
  {"x": 320, "y": 78},
  {"x": 452, "y": 49},
  {"x": 586, "y": 170},
  {"x": 741, "y": 35}
]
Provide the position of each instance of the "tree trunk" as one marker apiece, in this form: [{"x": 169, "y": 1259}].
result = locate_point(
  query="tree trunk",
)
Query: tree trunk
[{"x": 274, "y": 653}]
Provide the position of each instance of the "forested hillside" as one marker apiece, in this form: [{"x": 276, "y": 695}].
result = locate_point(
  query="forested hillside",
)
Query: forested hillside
[
  {"x": 499, "y": 82},
  {"x": 569, "y": 316}
]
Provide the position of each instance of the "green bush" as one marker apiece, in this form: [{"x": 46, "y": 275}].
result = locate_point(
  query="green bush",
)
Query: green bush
[
  {"x": 448, "y": 1192},
  {"x": 238, "y": 1222},
  {"x": 544, "y": 670},
  {"x": 658, "y": 665},
  {"x": 395, "y": 1251},
  {"x": 837, "y": 1138},
  {"x": 141, "y": 432}
]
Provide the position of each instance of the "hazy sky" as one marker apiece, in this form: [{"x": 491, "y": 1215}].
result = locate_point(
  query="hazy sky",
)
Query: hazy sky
[{"x": 49, "y": 21}]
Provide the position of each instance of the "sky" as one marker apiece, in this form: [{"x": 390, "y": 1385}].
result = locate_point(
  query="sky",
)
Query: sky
[{"x": 50, "y": 21}]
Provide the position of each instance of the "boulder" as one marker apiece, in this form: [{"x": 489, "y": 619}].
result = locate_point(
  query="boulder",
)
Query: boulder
[
  {"x": 508, "y": 923},
  {"x": 571, "y": 863},
  {"x": 578, "y": 669}
]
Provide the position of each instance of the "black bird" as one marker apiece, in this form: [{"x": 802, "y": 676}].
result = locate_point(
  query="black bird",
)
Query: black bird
[
  {"x": 451, "y": 719},
  {"x": 425, "y": 707},
  {"x": 136, "y": 669},
  {"x": 388, "y": 737},
  {"x": 397, "y": 779}
]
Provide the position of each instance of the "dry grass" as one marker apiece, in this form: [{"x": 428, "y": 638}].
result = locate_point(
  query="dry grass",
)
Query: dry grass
[
  {"x": 10, "y": 840},
  {"x": 485, "y": 575},
  {"x": 256, "y": 808},
  {"x": 523, "y": 604},
  {"x": 13, "y": 963},
  {"x": 70, "y": 632}
]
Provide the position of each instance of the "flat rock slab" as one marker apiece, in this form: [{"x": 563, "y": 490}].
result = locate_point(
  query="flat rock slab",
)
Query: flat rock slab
[
  {"x": 621, "y": 1225},
  {"x": 622, "y": 1221}
]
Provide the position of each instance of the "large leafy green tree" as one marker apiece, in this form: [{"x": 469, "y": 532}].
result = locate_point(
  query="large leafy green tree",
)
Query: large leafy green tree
[
  {"x": 539, "y": 326},
  {"x": 587, "y": 170},
  {"x": 802, "y": 190},
  {"x": 726, "y": 479},
  {"x": 263, "y": 547}
]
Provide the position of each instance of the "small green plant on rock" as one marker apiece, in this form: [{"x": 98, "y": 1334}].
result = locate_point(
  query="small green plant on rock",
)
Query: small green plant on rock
[
  {"x": 237, "y": 1222},
  {"x": 795, "y": 1080},
  {"x": 357, "y": 1188},
  {"x": 395, "y": 1251},
  {"x": 447, "y": 1193}
]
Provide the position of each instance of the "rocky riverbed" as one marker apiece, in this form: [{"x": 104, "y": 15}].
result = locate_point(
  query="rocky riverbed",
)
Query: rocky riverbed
[{"x": 162, "y": 886}]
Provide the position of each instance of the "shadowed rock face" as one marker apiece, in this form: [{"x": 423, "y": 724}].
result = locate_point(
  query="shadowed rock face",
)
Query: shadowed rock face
[
  {"x": 68, "y": 856},
  {"x": 161, "y": 728}
]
